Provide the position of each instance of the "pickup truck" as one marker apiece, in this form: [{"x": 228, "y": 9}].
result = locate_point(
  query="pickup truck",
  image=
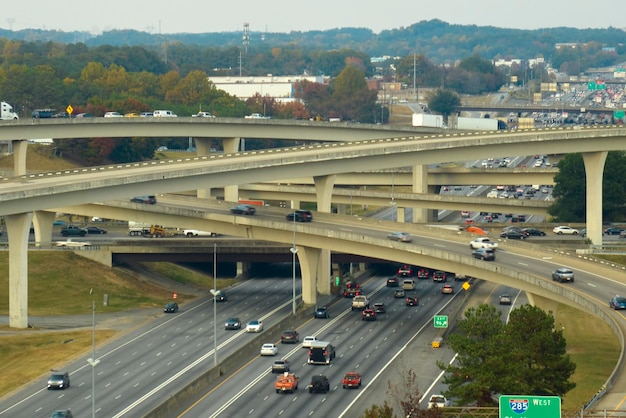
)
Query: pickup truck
[
  {"x": 351, "y": 380},
  {"x": 73, "y": 230},
  {"x": 286, "y": 383},
  {"x": 190, "y": 233},
  {"x": 360, "y": 302}
]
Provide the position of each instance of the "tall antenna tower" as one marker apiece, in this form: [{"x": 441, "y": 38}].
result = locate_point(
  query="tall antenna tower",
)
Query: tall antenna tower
[{"x": 246, "y": 36}]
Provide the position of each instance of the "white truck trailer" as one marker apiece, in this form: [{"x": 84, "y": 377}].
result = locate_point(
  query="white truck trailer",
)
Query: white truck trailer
[
  {"x": 426, "y": 120},
  {"x": 6, "y": 112},
  {"x": 138, "y": 228},
  {"x": 477, "y": 124}
]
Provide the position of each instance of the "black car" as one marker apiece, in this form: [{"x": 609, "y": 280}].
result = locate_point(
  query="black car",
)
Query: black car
[
  {"x": 379, "y": 307},
  {"x": 534, "y": 232},
  {"x": 243, "y": 210},
  {"x": 73, "y": 231},
  {"x": 171, "y": 307},
  {"x": 232, "y": 323},
  {"x": 95, "y": 230},
  {"x": 290, "y": 336},
  {"x": 393, "y": 282},
  {"x": 150, "y": 200},
  {"x": 300, "y": 216},
  {"x": 319, "y": 384},
  {"x": 486, "y": 254},
  {"x": 512, "y": 234},
  {"x": 411, "y": 301},
  {"x": 59, "y": 380},
  {"x": 613, "y": 231},
  {"x": 423, "y": 273},
  {"x": 221, "y": 296},
  {"x": 321, "y": 312},
  {"x": 440, "y": 276}
]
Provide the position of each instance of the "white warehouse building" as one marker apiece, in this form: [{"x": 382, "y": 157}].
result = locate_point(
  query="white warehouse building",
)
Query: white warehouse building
[{"x": 280, "y": 88}]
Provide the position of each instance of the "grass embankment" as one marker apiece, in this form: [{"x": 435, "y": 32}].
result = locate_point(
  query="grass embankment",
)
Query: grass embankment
[{"x": 59, "y": 284}]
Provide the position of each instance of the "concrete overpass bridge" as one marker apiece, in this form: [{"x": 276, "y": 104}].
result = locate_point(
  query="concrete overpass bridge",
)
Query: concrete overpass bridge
[{"x": 39, "y": 193}]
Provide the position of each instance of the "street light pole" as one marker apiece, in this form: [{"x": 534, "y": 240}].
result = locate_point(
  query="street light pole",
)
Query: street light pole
[
  {"x": 214, "y": 293},
  {"x": 93, "y": 362},
  {"x": 293, "y": 250}
]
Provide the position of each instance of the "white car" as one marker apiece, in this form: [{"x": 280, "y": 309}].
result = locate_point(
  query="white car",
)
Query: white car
[
  {"x": 254, "y": 326},
  {"x": 197, "y": 233},
  {"x": 565, "y": 230},
  {"x": 483, "y": 242},
  {"x": 113, "y": 115},
  {"x": 70, "y": 243},
  {"x": 439, "y": 401},
  {"x": 269, "y": 349},
  {"x": 309, "y": 341}
]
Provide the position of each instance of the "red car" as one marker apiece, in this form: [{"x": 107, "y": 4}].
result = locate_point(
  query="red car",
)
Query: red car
[{"x": 351, "y": 380}]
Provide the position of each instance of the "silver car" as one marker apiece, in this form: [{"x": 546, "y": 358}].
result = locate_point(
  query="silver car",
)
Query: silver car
[
  {"x": 563, "y": 275},
  {"x": 400, "y": 236}
]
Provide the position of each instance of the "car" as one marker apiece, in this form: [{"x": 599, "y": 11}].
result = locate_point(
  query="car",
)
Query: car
[
  {"x": 423, "y": 273},
  {"x": 59, "y": 222},
  {"x": 351, "y": 380},
  {"x": 162, "y": 148},
  {"x": 280, "y": 366},
  {"x": 309, "y": 341},
  {"x": 233, "y": 323},
  {"x": 465, "y": 214},
  {"x": 379, "y": 307},
  {"x": 482, "y": 242},
  {"x": 221, "y": 296},
  {"x": 368, "y": 315},
  {"x": 59, "y": 380},
  {"x": 613, "y": 230},
  {"x": 485, "y": 254},
  {"x": 150, "y": 200},
  {"x": 351, "y": 289},
  {"x": 290, "y": 336},
  {"x": 438, "y": 401},
  {"x": 618, "y": 302},
  {"x": 243, "y": 210},
  {"x": 393, "y": 282},
  {"x": 399, "y": 293},
  {"x": 321, "y": 312},
  {"x": 269, "y": 349},
  {"x": 405, "y": 271},
  {"x": 513, "y": 234},
  {"x": 622, "y": 234},
  {"x": 565, "y": 230},
  {"x": 171, "y": 307},
  {"x": 319, "y": 383},
  {"x": 300, "y": 216},
  {"x": 254, "y": 326},
  {"x": 400, "y": 236},
  {"x": 534, "y": 232},
  {"x": 447, "y": 289},
  {"x": 440, "y": 276},
  {"x": 113, "y": 115},
  {"x": 73, "y": 230},
  {"x": 408, "y": 284},
  {"x": 505, "y": 299},
  {"x": 411, "y": 301},
  {"x": 69, "y": 243},
  {"x": 563, "y": 274},
  {"x": 62, "y": 413},
  {"x": 202, "y": 115},
  {"x": 95, "y": 230}
]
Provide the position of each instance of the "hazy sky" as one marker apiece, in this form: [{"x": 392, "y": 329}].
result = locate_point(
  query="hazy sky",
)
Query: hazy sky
[{"x": 174, "y": 16}]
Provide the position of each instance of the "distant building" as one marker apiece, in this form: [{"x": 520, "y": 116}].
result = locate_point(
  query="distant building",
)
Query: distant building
[{"x": 280, "y": 88}]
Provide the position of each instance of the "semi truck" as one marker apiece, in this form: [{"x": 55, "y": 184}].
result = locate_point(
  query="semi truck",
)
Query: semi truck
[
  {"x": 478, "y": 124},
  {"x": 6, "y": 112},
  {"x": 427, "y": 120}
]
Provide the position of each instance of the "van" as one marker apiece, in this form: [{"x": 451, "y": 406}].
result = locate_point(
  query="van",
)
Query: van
[
  {"x": 164, "y": 114},
  {"x": 321, "y": 352},
  {"x": 408, "y": 284}
]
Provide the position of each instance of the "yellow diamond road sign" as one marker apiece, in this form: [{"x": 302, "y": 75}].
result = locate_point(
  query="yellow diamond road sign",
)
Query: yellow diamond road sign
[
  {"x": 69, "y": 109},
  {"x": 466, "y": 286}
]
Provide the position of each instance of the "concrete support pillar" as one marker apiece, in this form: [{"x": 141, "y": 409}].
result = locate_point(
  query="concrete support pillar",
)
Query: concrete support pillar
[
  {"x": 203, "y": 147},
  {"x": 594, "y": 170},
  {"x": 324, "y": 191},
  {"x": 400, "y": 215},
  {"x": 341, "y": 209},
  {"x": 420, "y": 185},
  {"x": 42, "y": 223},
  {"x": 231, "y": 145},
  {"x": 18, "y": 229},
  {"x": 242, "y": 268},
  {"x": 295, "y": 204},
  {"x": 19, "y": 156},
  {"x": 309, "y": 259}
]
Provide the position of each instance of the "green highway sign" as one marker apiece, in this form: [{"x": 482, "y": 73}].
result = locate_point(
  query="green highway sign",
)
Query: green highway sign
[
  {"x": 521, "y": 406},
  {"x": 591, "y": 85},
  {"x": 618, "y": 114},
  {"x": 441, "y": 321}
]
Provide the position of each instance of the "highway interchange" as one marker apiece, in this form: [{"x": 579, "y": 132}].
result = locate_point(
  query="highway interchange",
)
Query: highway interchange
[{"x": 144, "y": 368}]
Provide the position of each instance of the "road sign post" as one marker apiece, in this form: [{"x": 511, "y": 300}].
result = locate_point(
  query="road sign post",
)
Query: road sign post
[
  {"x": 521, "y": 406},
  {"x": 440, "y": 321}
]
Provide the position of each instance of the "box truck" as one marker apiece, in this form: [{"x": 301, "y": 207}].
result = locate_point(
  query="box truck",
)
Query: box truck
[
  {"x": 428, "y": 121},
  {"x": 479, "y": 124}
]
